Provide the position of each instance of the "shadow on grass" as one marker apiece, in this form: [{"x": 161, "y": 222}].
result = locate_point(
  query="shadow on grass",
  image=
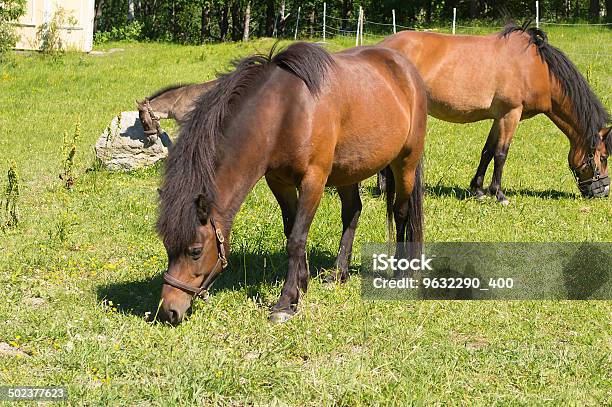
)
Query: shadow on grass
[
  {"x": 464, "y": 193},
  {"x": 139, "y": 297}
]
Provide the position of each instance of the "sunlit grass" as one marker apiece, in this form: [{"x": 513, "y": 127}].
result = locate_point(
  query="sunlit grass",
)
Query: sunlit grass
[{"x": 81, "y": 275}]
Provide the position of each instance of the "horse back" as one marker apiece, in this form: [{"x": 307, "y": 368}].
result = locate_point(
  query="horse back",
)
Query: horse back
[{"x": 471, "y": 78}]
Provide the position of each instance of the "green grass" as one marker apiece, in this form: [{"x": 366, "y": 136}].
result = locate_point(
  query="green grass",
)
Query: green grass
[{"x": 92, "y": 257}]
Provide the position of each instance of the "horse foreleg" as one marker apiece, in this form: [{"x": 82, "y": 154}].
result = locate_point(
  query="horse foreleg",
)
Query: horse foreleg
[
  {"x": 507, "y": 127},
  {"x": 351, "y": 209},
  {"x": 485, "y": 158},
  {"x": 286, "y": 196},
  {"x": 310, "y": 192}
]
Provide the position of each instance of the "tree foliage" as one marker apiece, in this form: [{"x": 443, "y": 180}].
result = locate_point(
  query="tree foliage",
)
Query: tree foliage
[
  {"x": 197, "y": 21},
  {"x": 10, "y": 11}
]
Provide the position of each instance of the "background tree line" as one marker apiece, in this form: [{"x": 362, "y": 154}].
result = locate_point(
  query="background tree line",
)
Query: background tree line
[{"x": 197, "y": 21}]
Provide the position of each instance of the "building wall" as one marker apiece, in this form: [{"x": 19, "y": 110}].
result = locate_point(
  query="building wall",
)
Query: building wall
[{"x": 77, "y": 37}]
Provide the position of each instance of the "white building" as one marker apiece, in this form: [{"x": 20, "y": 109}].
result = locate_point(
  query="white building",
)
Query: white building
[{"x": 77, "y": 36}]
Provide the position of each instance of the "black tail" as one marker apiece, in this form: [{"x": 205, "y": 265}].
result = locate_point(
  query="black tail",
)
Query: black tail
[{"x": 414, "y": 231}]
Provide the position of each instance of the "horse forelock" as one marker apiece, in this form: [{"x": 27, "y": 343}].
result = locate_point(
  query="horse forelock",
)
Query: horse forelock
[
  {"x": 192, "y": 160},
  {"x": 590, "y": 114}
]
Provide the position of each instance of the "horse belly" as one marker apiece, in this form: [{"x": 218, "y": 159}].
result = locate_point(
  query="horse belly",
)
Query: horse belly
[
  {"x": 458, "y": 112},
  {"x": 358, "y": 157}
]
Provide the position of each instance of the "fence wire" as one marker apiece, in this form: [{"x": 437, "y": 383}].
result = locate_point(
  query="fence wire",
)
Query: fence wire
[{"x": 375, "y": 31}]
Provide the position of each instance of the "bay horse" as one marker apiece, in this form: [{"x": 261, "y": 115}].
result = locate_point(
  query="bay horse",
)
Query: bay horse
[
  {"x": 508, "y": 77},
  {"x": 304, "y": 119},
  {"x": 173, "y": 102}
]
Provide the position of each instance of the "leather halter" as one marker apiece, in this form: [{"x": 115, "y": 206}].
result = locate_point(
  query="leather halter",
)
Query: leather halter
[
  {"x": 202, "y": 290},
  {"x": 155, "y": 120},
  {"x": 595, "y": 184}
]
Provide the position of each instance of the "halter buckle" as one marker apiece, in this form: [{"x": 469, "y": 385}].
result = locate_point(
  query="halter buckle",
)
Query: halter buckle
[{"x": 220, "y": 237}]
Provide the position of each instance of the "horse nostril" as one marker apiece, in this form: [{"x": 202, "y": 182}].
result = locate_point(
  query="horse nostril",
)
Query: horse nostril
[{"x": 173, "y": 316}]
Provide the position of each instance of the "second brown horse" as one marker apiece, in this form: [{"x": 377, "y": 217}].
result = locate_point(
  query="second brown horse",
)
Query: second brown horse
[
  {"x": 508, "y": 77},
  {"x": 304, "y": 119}
]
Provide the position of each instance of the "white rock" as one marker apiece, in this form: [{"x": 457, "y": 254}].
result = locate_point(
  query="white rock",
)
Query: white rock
[{"x": 123, "y": 146}]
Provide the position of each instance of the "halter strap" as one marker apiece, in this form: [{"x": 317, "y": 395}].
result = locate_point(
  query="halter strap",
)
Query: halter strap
[
  {"x": 590, "y": 161},
  {"x": 155, "y": 120},
  {"x": 221, "y": 263}
]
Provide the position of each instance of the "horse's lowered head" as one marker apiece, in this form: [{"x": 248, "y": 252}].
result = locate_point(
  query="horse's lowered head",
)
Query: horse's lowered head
[
  {"x": 192, "y": 268},
  {"x": 591, "y": 168},
  {"x": 149, "y": 120}
]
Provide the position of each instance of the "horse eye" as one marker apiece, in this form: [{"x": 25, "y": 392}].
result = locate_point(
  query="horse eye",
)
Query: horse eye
[
  {"x": 195, "y": 252},
  {"x": 604, "y": 158}
]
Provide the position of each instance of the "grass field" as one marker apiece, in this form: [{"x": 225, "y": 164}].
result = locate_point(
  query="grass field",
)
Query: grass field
[{"x": 82, "y": 272}]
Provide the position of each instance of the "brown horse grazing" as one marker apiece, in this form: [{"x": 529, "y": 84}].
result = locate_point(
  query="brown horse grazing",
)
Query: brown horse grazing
[
  {"x": 304, "y": 119},
  {"x": 173, "y": 102},
  {"x": 509, "y": 77}
]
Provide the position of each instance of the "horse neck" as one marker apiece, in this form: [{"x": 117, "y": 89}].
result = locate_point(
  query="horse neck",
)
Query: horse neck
[
  {"x": 237, "y": 172},
  {"x": 163, "y": 103},
  {"x": 562, "y": 114}
]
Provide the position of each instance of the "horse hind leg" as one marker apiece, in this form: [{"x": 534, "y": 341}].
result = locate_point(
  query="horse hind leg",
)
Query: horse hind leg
[
  {"x": 486, "y": 156},
  {"x": 351, "y": 209},
  {"x": 507, "y": 126},
  {"x": 407, "y": 209},
  {"x": 408, "y": 204}
]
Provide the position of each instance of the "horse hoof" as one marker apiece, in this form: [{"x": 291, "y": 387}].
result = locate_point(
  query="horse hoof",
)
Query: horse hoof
[
  {"x": 504, "y": 202},
  {"x": 479, "y": 194},
  {"x": 280, "y": 317}
]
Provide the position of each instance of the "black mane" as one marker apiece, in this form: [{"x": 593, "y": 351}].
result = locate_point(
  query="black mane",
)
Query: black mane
[
  {"x": 192, "y": 160},
  {"x": 160, "y": 92},
  {"x": 588, "y": 109}
]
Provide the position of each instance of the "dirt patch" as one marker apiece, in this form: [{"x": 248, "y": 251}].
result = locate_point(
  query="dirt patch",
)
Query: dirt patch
[
  {"x": 34, "y": 302},
  {"x": 8, "y": 350}
]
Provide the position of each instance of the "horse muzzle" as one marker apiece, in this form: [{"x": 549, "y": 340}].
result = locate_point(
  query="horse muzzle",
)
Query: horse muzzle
[{"x": 595, "y": 188}]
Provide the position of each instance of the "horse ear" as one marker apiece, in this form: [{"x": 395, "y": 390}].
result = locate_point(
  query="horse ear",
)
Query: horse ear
[
  {"x": 202, "y": 209},
  {"x": 605, "y": 132}
]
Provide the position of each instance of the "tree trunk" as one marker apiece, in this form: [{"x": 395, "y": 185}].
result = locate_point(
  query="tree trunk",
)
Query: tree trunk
[
  {"x": 223, "y": 22},
  {"x": 270, "y": 17},
  {"x": 577, "y": 9},
  {"x": 346, "y": 10},
  {"x": 473, "y": 9},
  {"x": 98, "y": 15},
  {"x": 312, "y": 22},
  {"x": 428, "y": 11},
  {"x": 205, "y": 19},
  {"x": 609, "y": 11},
  {"x": 594, "y": 10},
  {"x": 247, "y": 21},
  {"x": 282, "y": 20},
  {"x": 236, "y": 21},
  {"x": 130, "y": 15}
]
